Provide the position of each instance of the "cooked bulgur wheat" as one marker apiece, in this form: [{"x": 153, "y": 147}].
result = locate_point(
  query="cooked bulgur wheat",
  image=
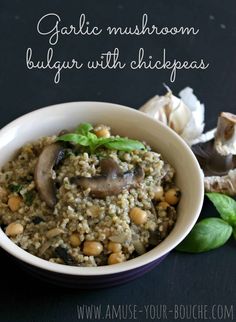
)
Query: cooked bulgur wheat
[{"x": 59, "y": 234}]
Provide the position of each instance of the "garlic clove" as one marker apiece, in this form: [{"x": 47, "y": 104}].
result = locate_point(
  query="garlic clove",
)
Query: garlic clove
[
  {"x": 184, "y": 115},
  {"x": 155, "y": 107},
  {"x": 180, "y": 115},
  {"x": 195, "y": 127}
]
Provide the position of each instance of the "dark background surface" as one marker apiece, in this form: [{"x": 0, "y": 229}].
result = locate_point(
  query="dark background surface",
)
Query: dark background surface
[{"x": 181, "y": 279}]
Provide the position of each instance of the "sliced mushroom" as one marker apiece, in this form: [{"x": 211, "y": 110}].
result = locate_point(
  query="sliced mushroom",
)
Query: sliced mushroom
[
  {"x": 111, "y": 182},
  {"x": 109, "y": 167},
  {"x": 49, "y": 157}
]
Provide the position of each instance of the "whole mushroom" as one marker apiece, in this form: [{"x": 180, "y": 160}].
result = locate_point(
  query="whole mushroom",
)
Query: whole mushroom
[{"x": 217, "y": 156}]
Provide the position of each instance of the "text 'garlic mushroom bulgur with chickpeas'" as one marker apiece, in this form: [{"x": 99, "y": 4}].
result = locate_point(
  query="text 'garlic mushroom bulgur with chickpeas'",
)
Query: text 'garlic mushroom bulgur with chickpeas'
[{"x": 87, "y": 198}]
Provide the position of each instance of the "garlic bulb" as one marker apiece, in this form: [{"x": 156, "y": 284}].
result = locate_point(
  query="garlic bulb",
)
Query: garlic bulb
[{"x": 185, "y": 115}]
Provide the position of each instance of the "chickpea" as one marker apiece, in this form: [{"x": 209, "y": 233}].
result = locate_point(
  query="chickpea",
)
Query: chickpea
[
  {"x": 158, "y": 193},
  {"x": 114, "y": 247},
  {"x": 14, "y": 203},
  {"x": 92, "y": 248},
  {"x": 116, "y": 258},
  {"x": 103, "y": 133},
  {"x": 75, "y": 239},
  {"x": 172, "y": 196},
  {"x": 14, "y": 229},
  {"x": 163, "y": 205},
  {"x": 138, "y": 216}
]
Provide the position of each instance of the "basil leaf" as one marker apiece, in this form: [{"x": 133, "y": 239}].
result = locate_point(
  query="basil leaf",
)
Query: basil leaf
[
  {"x": 76, "y": 138},
  {"x": 225, "y": 205},
  {"x": 101, "y": 141},
  {"x": 84, "y": 128},
  {"x": 209, "y": 233},
  {"x": 92, "y": 138},
  {"x": 123, "y": 144},
  {"x": 84, "y": 137}
]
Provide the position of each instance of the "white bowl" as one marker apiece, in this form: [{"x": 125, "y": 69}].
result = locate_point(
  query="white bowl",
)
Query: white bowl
[{"x": 126, "y": 122}]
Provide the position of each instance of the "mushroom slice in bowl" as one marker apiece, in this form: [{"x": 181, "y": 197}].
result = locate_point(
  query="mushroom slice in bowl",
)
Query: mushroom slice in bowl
[
  {"x": 111, "y": 182},
  {"x": 49, "y": 157}
]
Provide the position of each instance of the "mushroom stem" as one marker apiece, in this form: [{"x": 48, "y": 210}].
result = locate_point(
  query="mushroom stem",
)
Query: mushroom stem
[
  {"x": 225, "y": 184},
  {"x": 225, "y": 137}
]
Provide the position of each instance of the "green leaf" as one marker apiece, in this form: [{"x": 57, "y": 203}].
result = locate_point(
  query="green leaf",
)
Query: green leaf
[
  {"x": 84, "y": 137},
  {"x": 123, "y": 144},
  {"x": 76, "y": 138},
  {"x": 92, "y": 137},
  {"x": 234, "y": 232},
  {"x": 84, "y": 128},
  {"x": 15, "y": 187},
  {"x": 209, "y": 233},
  {"x": 225, "y": 205}
]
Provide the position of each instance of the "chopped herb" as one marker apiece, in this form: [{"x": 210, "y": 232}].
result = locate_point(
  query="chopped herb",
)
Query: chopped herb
[
  {"x": 29, "y": 197},
  {"x": 28, "y": 179},
  {"x": 37, "y": 220},
  {"x": 62, "y": 253},
  {"x": 15, "y": 187}
]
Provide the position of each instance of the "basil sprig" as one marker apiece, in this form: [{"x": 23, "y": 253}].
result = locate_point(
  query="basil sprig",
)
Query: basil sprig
[
  {"x": 211, "y": 233},
  {"x": 84, "y": 137}
]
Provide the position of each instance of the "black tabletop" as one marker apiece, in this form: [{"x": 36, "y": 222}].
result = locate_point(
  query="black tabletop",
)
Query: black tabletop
[{"x": 207, "y": 280}]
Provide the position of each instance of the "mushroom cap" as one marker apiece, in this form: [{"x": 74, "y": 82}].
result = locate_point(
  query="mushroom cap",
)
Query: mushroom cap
[{"x": 211, "y": 162}]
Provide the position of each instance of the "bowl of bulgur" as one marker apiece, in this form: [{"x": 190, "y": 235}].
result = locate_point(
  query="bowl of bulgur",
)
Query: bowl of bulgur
[{"x": 94, "y": 194}]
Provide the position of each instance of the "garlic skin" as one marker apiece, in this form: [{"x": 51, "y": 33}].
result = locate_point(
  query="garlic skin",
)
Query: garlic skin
[
  {"x": 196, "y": 125},
  {"x": 185, "y": 115},
  {"x": 207, "y": 136}
]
